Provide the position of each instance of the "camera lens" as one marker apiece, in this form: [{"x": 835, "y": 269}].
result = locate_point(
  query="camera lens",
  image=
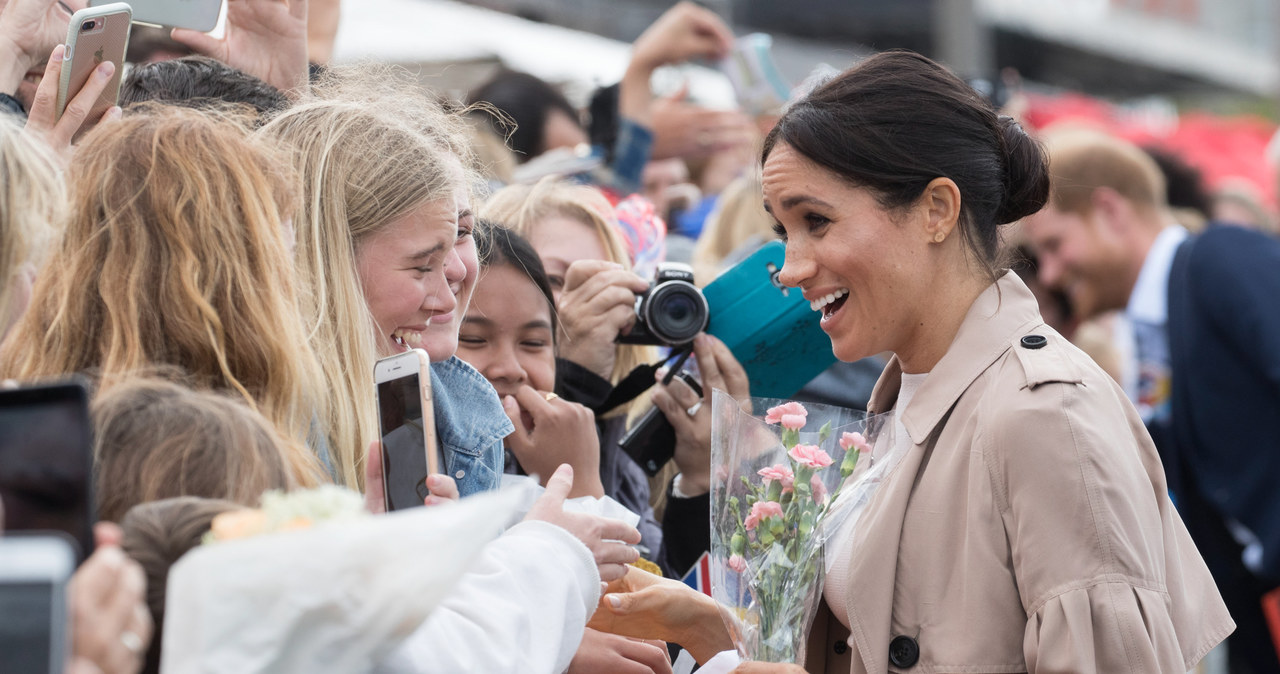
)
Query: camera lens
[
  {"x": 87, "y": 25},
  {"x": 677, "y": 312}
]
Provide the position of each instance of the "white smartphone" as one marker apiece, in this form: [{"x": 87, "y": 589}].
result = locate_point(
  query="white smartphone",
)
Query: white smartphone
[
  {"x": 34, "y": 571},
  {"x": 407, "y": 426},
  {"x": 201, "y": 15},
  {"x": 95, "y": 34}
]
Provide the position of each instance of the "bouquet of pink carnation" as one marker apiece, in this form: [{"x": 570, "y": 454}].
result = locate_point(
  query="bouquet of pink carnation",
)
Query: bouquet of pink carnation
[{"x": 776, "y": 486}]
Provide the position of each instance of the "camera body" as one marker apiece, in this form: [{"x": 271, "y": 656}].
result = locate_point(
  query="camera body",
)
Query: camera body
[{"x": 671, "y": 312}]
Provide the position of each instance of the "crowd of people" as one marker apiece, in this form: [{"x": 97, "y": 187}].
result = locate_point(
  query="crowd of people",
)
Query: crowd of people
[{"x": 1088, "y": 440}]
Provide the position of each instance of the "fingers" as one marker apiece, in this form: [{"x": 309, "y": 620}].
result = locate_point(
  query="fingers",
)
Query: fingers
[
  {"x": 601, "y": 273},
  {"x": 647, "y": 654},
  {"x": 107, "y": 534},
  {"x": 558, "y": 487},
  {"x": 708, "y": 366},
  {"x": 44, "y": 113},
  {"x": 519, "y": 441},
  {"x": 533, "y": 402},
  {"x": 734, "y": 376},
  {"x": 678, "y": 416},
  {"x": 617, "y": 530},
  {"x": 374, "y": 488},
  {"x": 76, "y": 113},
  {"x": 202, "y": 43},
  {"x": 443, "y": 490}
]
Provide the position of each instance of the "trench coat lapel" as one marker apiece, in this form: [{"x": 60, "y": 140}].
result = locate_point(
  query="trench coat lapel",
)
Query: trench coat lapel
[{"x": 873, "y": 567}]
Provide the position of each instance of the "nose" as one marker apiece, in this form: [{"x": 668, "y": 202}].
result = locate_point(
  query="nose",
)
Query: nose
[
  {"x": 454, "y": 269},
  {"x": 1049, "y": 270},
  {"x": 797, "y": 266},
  {"x": 502, "y": 366},
  {"x": 439, "y": 292}
]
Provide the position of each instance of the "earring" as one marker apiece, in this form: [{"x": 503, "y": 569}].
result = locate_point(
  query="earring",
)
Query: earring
[{"x": 939, "y": 237}]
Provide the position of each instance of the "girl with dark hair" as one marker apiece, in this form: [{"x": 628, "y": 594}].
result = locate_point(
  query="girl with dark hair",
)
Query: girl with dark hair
[{"x": 1024, "y": 523}]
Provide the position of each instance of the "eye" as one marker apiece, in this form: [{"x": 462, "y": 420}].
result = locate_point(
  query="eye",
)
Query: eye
[
  {"x": 816, "y": 221},
  {"x": 466, "y": 225},
  {"x": 470, "y": 340},
  {"x": 780, "y": 231},
  {"x": 534, "y": 344},
  {"x": 556, "y": 282},
  {"x": 422, "y": 270}
]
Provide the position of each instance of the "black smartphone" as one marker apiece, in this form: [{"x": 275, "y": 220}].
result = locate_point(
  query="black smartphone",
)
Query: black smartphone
[
  {"x": 46, "y": 460},
  {"x": 651, "y": 442}
]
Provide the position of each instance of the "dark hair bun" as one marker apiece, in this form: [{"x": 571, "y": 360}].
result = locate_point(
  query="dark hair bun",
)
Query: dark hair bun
[{"x": 1026, "y": 173}]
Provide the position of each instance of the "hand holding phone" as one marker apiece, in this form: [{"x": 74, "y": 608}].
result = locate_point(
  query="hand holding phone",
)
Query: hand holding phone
[
  {"x": 406, "y": 422},
  {"x": 95, "y": 36},
  {"x": 58, "y": 131}
]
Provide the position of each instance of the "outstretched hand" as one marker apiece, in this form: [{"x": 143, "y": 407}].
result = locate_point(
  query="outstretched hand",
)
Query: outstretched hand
[
  {"x": 608, "y": 540},
  {"x": 646, "y": 606},
  {"x": 265, "y": 38},
  {"x": 29, "y": 30},
  {"x": 110, "y": 624}
]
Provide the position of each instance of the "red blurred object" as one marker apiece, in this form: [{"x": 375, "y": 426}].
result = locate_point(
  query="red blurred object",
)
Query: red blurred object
[{"x": 1222, "y": 148}]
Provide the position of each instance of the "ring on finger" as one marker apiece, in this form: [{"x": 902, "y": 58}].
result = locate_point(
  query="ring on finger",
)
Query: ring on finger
[
  {"x": 693, "y": 411},
  {"x": 131, "y": 641},
  {"x": 551, "y": 396}
]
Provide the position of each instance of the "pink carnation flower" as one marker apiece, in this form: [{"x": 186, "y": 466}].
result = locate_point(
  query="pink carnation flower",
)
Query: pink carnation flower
[
  {"x": 761, "y": 510},
  {"x": 780, "y": 473},
  {"x": 855, "y": 440},
  {"x": 810, "y": 455},
  {"x": 790, "y": 415},
  {"x": 819, "y": 489},
  {"x": 737, "y": 563}
]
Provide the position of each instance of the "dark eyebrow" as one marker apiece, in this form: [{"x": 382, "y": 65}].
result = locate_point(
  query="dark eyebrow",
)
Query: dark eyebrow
[
  {"x": 425, "y": 253},
  {"x": 536, "y": 324}
]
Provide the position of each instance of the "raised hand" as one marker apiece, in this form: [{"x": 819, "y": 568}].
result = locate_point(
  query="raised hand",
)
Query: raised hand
[
  {"x": 597, "y": 304},
  {"x": 265, "y": 38},
  {"x": 59, "y": 132},
  {"x": 562, "y": 432},
  {"x": 720, "y": 370}
]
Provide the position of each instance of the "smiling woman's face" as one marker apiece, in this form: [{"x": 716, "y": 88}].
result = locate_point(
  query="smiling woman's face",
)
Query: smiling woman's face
[
  {"x": 406, "y": 271},
  {"x": 861, "y": 266}
]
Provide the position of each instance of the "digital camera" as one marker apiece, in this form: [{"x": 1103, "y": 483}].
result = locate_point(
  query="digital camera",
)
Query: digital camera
[{"x": 671, "y": 312}]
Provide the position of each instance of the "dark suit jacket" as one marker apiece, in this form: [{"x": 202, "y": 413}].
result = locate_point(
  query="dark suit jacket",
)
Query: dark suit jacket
[{"x": 1224, "y": 342}]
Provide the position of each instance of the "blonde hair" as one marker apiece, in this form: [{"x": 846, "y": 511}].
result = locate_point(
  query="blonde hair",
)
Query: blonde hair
[
  {"x": 367, "y": 155},
  {"x": 32, "y": 199},
  {"x": 738, "y": 217},
  {"x": 1082, "y": 160},
  {"x": 156, "y": 439},
  {"x": 174, "y": 255},
  {"x": 523, "y": 207}
]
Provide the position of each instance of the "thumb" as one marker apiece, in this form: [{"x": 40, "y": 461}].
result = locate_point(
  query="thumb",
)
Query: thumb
[
  {"x": 202, "y": 43},
  {"x": 559, "y": 485},
  {"x": 519, "y": 441}
]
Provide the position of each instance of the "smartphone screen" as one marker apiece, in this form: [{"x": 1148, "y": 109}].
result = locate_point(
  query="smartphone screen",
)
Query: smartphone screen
[
  {"x": 404, "y": 450},
  {"x": 33, "y": 605},
  {"x": 46, "y": 453}
]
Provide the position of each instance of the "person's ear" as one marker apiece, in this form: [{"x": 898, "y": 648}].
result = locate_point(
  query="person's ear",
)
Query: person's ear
[
  {"x": 1111, "y": 210},
  {"x": 940, "y": 206}
]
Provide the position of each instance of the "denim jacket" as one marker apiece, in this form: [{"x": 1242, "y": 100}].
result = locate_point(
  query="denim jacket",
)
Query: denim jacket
[{"x": 470, "y": 426}]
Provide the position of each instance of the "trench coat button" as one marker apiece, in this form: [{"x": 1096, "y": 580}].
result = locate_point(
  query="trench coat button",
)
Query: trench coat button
[
  {"x": 460, "y": 474},
  {"x": 904, "y": 651},
  {"x": 841, "y": 647},
  {"x": 1034, "y": 342}
]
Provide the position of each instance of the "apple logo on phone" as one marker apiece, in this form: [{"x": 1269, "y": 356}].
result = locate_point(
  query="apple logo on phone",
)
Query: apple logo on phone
[{"x": 98, "y": 56}]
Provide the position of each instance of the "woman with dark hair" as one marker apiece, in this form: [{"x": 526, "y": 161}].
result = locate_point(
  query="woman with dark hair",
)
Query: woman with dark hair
[{"x": 1024, "y": 524}]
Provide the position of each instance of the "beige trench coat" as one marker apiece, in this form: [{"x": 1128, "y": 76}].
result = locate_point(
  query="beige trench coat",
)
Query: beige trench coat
[{"x": 1029, "y": 529}]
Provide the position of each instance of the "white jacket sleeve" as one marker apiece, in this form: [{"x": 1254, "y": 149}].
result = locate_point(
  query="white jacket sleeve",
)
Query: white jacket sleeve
[{"x": 522, "y": 608}]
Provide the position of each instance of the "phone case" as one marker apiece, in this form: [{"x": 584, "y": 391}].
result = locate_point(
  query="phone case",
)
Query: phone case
[
  {"x": 86, "y": 49},
  {"x": 770, "y": 328},
  {"x": 201, "y": 15}
]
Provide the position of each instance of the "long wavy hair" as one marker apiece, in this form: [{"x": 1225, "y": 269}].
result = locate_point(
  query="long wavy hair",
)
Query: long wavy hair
[
  {"x": 174, "y": 255},
  {"x": 366, "y": 155},
  {"x": 32, "y": 198}
]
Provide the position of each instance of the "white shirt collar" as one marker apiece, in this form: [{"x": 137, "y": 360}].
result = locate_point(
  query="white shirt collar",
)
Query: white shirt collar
[{"x": 1149, "y": 301}]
